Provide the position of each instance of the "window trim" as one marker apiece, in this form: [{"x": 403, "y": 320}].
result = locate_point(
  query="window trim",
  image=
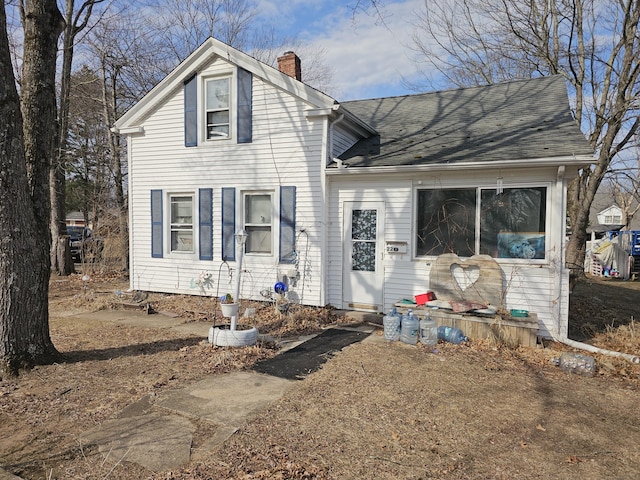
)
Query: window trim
[
  {"x": 170, "y": 225},
  {"x": 479, "y": 189},
  {"x": 231, "y": 79},
  {"x": 243, "y": 211}
]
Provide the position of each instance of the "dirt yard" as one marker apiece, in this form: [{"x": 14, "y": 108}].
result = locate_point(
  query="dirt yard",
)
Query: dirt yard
[{"x": 376, "y": 410}]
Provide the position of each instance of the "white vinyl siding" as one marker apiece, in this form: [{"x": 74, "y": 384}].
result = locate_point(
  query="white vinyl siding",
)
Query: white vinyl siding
[
  {"x": 532, "y": 287},
  {"x": 285, "y": 150}
]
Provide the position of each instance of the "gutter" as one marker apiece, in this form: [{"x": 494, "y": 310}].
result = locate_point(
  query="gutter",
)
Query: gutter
[{"x": 574, "y": 161}]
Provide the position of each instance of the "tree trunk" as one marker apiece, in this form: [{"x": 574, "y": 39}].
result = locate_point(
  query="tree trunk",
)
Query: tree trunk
[
  {"x": 109, "y": 97},
  {"x": 26, "y": 141},
  {"x": 58, "y": 168}
]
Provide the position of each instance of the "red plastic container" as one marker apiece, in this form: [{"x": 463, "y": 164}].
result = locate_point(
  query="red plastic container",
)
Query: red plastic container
[{"x": 423, "y": 298}]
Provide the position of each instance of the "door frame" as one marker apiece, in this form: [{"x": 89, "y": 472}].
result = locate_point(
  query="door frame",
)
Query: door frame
[{"x": 364, "y": 298}]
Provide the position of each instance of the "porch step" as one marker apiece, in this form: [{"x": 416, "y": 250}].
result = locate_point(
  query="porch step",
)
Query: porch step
[{"x": 353, "y": 316}]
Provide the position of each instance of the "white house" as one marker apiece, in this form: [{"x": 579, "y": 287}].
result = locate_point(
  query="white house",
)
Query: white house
[{"x": 349, "y": 203}]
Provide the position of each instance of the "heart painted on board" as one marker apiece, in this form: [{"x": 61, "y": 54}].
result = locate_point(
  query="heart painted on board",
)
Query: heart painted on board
[
  {"x": 475, "y": 279},
  {"x": 465, "y": 275}
]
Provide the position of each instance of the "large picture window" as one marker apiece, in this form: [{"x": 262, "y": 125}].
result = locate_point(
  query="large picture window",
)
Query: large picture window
[
  {"x": 446, "y": 222},
  {"x": 181, "y": 223},
  {"x": 258, "y": 222},
  {"x": 218, "y": 108},
  {"x": 508, "y": 224}
]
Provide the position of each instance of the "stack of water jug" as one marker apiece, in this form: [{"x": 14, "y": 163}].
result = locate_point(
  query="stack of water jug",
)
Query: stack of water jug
[{"x": 409, "y": 329}]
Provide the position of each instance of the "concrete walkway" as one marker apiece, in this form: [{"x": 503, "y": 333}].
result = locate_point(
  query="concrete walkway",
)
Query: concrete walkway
[{"x": 158, "y": 434}]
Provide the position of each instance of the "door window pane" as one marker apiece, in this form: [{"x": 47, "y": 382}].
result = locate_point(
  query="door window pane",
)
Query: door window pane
[{"x": 364, "y": 224}]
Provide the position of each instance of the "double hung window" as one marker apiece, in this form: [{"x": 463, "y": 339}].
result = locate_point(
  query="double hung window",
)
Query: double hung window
[
  {"x": 258, "y": 222},
  {"x": 217, "y": 103},
  {"x": 181, "y": 223}
]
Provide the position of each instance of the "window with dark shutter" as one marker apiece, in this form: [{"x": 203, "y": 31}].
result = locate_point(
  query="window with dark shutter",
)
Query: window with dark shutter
[
  {"x": 245, "y": 81},
  {"x": 287, "y": 224},
  {"x": 205, "y": 215},
  {"x": 228, "y": 223},
  {"x": 191, "y": 112},
  {"x": 156, "y": 224}
]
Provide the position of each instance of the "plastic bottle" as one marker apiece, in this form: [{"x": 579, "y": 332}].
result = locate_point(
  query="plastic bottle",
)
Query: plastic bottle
[
  {"x": 428, "y": 330},
  {"x": 391, "y": 324},
  {"x": 451, "y": 335},
  {"x": 409, "y": 327},
  {"x": 575, "y": 363}
]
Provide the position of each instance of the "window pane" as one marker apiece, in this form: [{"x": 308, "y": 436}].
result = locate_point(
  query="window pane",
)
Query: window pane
[
  {"x": 218, "y": 118},
  {"x": 258, "y": 239},
  {"x": 182, "y": 223},
  {"x": 363, "y": 224},
  {"x": 217, "y": 131},
  {"x": 182, "y": 241},
  {"x": 363, "y": 258},
  {"x": 181, "y": 210},
  {"x": 446, "y": 222},
  {"x": 218, "y": 94},
  {"x": 512, "y": 224},
  {"x": 258, "y": 209}
]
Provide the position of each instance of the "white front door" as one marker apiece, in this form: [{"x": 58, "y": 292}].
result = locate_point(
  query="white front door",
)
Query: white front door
[{"x": 363, "y": 246}]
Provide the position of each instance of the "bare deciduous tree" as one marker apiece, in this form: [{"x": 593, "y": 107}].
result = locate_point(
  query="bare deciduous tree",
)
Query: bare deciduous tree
[
  {"x": 75, "y": 22},
  {"x": 594, "y": 44},
  {"x": 26, "y": 145}
]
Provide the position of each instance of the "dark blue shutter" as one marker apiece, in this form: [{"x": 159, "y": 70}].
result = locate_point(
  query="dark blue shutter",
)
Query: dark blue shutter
[
  {"x": 205, "y": 214},
  {"x": 245, "y": 128},
  {"x": 287, "y": 224},
  {"x": 156, "y": 223},
  {"x": 228, "y": 224},
  {"x": 191, "y": 112}
]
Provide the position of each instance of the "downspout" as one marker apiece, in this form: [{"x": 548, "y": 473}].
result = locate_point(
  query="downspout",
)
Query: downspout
[
  {"x": 563, "y": 338},
  {"x": 327, "y": 154}
]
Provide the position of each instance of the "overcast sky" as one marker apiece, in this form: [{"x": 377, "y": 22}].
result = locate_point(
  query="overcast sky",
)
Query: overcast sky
[{"x": 369, "y": 57}]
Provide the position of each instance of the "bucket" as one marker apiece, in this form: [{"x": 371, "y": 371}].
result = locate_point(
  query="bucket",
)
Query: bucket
[{"x": 423, "y": 298}]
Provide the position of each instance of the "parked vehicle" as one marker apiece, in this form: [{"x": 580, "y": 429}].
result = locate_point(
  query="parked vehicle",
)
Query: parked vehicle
[{"x": 84, "y": 246}]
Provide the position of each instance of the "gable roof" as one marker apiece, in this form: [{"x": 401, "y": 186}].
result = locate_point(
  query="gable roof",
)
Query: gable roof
[
  {"x": 199, "y": 60},
  {"x": 516, "y": 121}
]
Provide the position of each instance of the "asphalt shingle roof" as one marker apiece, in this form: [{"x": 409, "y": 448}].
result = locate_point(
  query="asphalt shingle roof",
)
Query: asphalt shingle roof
[{"x": 519, "y": 120}]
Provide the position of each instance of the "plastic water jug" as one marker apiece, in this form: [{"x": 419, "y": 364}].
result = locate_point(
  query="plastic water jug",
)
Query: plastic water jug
[
  {"x": 451, "y": 334},
  {"x": 409, "y": 327},
  {"x": 428, "y": 331},
  {"x": 575, "y": 363},
  {"x": 391, "y": 324}
]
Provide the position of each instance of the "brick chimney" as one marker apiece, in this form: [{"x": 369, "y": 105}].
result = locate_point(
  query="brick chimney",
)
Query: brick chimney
[{"x": 289, "y": 63}]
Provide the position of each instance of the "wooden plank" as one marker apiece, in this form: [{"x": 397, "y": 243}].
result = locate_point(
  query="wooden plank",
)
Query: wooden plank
[{"x": 512, "y": 331}]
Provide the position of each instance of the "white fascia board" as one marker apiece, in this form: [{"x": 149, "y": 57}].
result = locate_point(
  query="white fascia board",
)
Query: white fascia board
[
  {"x": 210, "y": 49},
  {"x": 350, "y": 120},
  {"x": 574, "y": 161},
  {"x": 136, "y": 130}
]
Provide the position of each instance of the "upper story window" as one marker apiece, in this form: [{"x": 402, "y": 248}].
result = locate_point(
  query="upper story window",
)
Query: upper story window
[
  {"x": 466, "y": 221},
  {"x": 181, "y": 223},
  {"x": 218, "y": 108},
  {"x": 258, "y": 222}
]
